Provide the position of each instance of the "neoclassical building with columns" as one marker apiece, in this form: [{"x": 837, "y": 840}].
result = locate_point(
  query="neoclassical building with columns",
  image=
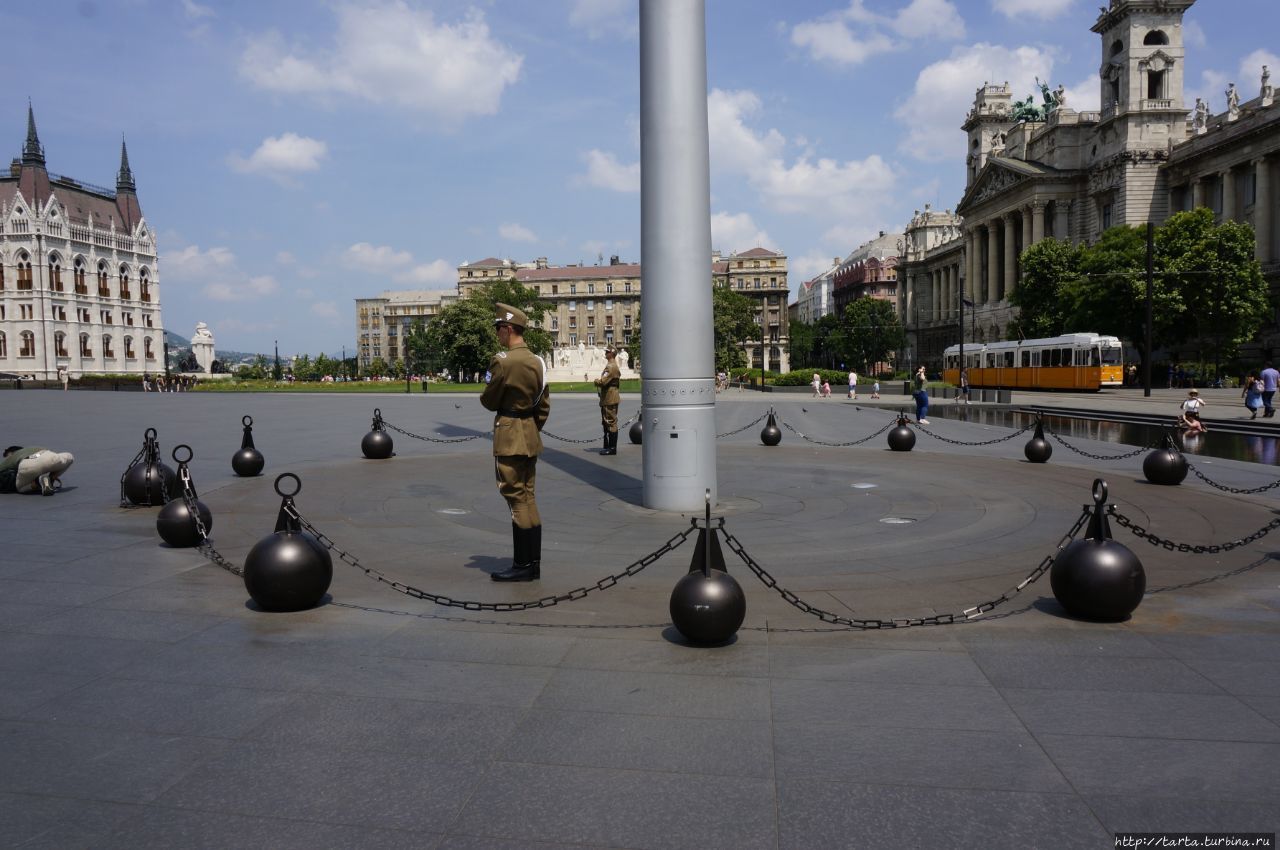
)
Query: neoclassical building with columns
[
  {"x": 79, "y": 280},
  {"x": 1054, "y": 172}
]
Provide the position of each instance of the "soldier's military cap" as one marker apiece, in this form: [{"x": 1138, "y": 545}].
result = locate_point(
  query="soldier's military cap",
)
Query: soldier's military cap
[{"x": 505, "y": 314}]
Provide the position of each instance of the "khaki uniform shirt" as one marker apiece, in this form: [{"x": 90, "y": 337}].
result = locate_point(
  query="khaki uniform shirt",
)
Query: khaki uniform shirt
[
  {"x": 608, "y": 382},
  {"x": 517, "y": 392}
]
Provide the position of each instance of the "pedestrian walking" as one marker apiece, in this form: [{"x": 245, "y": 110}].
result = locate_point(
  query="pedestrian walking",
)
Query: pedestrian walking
[
  {"x": 1270, "y": 378},
  {"x": 853, "y": 384},
  {"x": 517, "y": 393}
]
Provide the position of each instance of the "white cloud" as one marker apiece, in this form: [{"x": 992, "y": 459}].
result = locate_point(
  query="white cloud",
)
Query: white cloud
[
  {"x": 853, "y": 35},
  {"x": 195, "y": 11},
  {"x": 390, "y": 54},
  {"x": 1249, "y": 80},
  {"x": 325, "y": 309},
  {"x": 604, "y": 17},
  {"x": 1044, "y": 9},
  {"x": 286, "y": 258},
  {"x": 735, "y": 233},
  {"x": 845, "y": 237},
  {"x": 1193, "y": 34},
  {"x": 280, "y": 157},
  {"x": 944, "y": 91},
  {"x": 808, "y": 266},
  {"x": 605, "y": 172},
  {"x": 1212, "y": 89},
  {"x": 516, "y": 232},
  {"x": 821, "y": 186},
  {"x": 400, "y": 266},
  {"x": 217, "y": 273},
  {"x": 1086, "y": 95}
]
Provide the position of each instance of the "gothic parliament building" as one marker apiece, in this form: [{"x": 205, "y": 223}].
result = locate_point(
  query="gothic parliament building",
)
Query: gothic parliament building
[
  {"x": 79, "y": 283},
  {"x": 1034, "y": 172}
]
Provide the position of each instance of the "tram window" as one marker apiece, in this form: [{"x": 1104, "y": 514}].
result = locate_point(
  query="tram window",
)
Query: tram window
[
  {"x": 1055, "y": 357},
  {"x": 1095, "y": 357},
  {"x": 1111, "y": 356},
  {"x": 1008, "y": 358},
  {"x": 1026, "y": 358},
  {"x": 1066, "y": 357},
  {"x": 1035, "y": 358}
]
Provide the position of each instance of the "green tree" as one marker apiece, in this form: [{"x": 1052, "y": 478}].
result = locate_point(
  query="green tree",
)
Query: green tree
[
  {"x": 378, "y": 367},
  {"x": 827, "y": 341},
  {"x": 1220, "y": 284},
  {"x": 462, "y": 335},
  {"x": 417, "y": 348},
  {"x": 869, "y": 333},
  {"x": 510, "y": 291},
  {"x": 304, "y": 369},
  {"x": 734, "y": 322},
  {"x": 1050, "y": 268},
  {"x": 803, "y": 336}
]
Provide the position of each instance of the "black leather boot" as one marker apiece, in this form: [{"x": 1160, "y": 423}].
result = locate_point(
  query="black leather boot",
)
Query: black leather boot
[
  {"x": 605, "y": 449},
  {"x": 610, "y": 443},
  {"x": 521, "y": 568}
]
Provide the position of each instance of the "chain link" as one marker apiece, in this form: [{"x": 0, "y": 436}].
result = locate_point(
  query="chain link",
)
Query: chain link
[
  {"x": 387, "y": 424},
  {"x": 1133, "y": 453},
  {"x": 840, "y": 445},
  {"x": 1224, "y": 488},
  {"x": 1017, "y": 433},
  {"x": 555, "y": 436},
  {"x": 1169, "y": 545},
  {"x": 545, "y": 602},
  {"x": 148, "y": 454},
  {"x": 903, "y": 622},
  {"x": 755, "y": 421}
]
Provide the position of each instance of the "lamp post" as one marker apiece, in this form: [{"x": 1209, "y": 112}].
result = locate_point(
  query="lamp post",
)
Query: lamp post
[
  {"x": 275, "y": 373},
  {"x": 344, "y": 364}
]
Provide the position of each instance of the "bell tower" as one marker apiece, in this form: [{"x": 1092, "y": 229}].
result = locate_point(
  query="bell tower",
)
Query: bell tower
[{"x": 1143, "y": 113}]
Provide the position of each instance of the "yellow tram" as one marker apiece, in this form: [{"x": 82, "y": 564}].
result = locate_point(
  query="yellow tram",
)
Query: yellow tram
[{"x": 1070, "y": 362}]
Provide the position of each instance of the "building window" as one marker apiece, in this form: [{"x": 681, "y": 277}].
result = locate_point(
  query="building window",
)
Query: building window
[
  {"x": 26, "y": 311},
  {"x": 55, "y": 273},
  {"x": 85, "y": 350},
  {"x": 144, "y": 286},
  {"x": 626, "y": 322},
  {"x": 591, "y": 339},
  {"x": 591, "y": 321},
  {"x": 591, "y": 289},
  {"x": 757, "y": 283},
  {"x": 608, "y": 303},
  {"x": 626, "y": 287},
  {"x": 555, "y": 289},
  {"x": 60, "y": 344},
  {"x": 28, "y": 347},
  {"x": 573, "y": 339},
  {"x": 128, "y": 348},
  {"x": 573, "y": 323},
  {"x": 573, "y": 305},
  {"x": 77, "y": 276},
  {"x": 104, "y": 291},
  {"x": 124, "y": 282},
  {"x": 4, "y": 345},
  {"x": 105, "y": 316},
  {"x": 24, "y": 272},
  {"x": 608, "y": 287},
  {"x": 1106, "y": 216},
  {"x": 147, "y": 350},
  {"x": 573, "y": 289},
  {"x": 1155, "y": 85}
]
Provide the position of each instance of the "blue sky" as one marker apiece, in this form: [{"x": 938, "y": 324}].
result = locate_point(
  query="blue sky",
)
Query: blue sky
[{"x": 294, "y": 156}]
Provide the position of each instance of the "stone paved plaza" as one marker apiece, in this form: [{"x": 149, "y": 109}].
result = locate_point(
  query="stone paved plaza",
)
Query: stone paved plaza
[{"x": 144, "y": 702}]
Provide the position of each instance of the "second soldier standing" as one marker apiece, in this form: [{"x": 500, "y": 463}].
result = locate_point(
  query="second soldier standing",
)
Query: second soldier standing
[
  {"x": 517, "y": 393},
  {"x": 607, "y": 385}
]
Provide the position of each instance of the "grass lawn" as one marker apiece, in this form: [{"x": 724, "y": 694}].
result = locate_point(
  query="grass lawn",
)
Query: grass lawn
[{"x": 267, "y": 386}]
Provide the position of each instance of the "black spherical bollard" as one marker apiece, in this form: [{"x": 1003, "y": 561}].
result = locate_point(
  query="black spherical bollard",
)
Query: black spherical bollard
[
  {"x": 708, "y": 607},
  {"x": 1165, "y": 465},
  {"x": 1098, "y": 578},
  {"x": 771, "y": 434},
  {"x": 902, "y": 438},
  {"x": 637, "y": 431},
  {"x": 288, "y": 570},
  {"x": 175, "y": 523},
  {"x": 1038, "y": 449},
  {"x": 247, "y": 462},
  {"x": 148, "y": 481},
  {"x": 377, "y": 444}
]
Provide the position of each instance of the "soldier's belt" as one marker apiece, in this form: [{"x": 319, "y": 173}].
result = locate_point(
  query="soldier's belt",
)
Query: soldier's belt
[{"x": 517, "y": 414}]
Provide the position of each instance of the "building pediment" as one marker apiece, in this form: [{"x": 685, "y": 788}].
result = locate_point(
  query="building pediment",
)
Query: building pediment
[
  {"x": 1157, "y": 61},
  {"x": 997, "y": 177}
]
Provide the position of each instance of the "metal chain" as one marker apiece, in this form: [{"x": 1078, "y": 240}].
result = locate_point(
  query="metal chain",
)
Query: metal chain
[
  {"x": 904, "y": 622},
  {"x": 755, "y": 421},
  {"x": 840, "y": 445},
  {"x": 143, "y": 456},
  {"x": 1211, "y": 549},
  {"x": 1133, "y": 453},
  {"x": 1019, "y": 432},
  {"x": 553, "y": 436},
  {"x": 545, "y": 602},
  {"x": 124, "y": 500},
  {"x": 436, "y": 439},
  {"x": 1241, "y": 490}
]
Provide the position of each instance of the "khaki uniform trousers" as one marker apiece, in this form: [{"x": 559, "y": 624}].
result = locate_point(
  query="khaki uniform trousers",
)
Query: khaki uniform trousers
[
  {"x": 515, "y": 475},
  {"x": 609, "y": 417}
]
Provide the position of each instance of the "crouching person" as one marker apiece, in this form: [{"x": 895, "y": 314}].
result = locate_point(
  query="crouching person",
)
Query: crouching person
[{"x": 33, "y": 470}]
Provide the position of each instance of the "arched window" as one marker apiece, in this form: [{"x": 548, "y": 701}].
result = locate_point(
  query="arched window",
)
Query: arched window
[
  {"x": 28, "y": 347},
  {"x": 147, "y": 350},
  {"x": 86, "y": 350},
  {"x": 124, "y": 282},
  {"x": 144, "y": 284},
  {"x": 60, "y": 344},
  {"x": 24, "y": 271},
  {"x": 129, "y": 353},
  {"x": 55, "y": 273},
  {"x": 4, "y": 346},
  {"x": 77, "y": 275},
  {"x": 104, "y": 291},
  {"x": 106, "y": 348},
  {"x": 1155, "y": 37}
]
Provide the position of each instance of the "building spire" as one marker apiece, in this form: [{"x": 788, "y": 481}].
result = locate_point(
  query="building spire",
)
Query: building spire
[
  {"x": 32, "y": 151},
  {"x": 124, "y": 180}
]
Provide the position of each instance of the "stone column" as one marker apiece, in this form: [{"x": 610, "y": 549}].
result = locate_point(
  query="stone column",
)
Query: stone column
[
  {"x": 1197, "y": 192},
  {"x": 1037, "y": 221},
  {"x": 1027, "y": 236},
  {"x": 970, "y": 260},
  {"x": 1262, "y": 207},
  {"x": 993, "y": 260},
  {"x": 1228, "y": 195},
  {"x": 935, "y": 291},
  {"x": 1010, "y": 258}
]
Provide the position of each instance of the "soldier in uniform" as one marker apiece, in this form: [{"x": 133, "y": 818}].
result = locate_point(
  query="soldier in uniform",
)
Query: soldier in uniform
[
  {"x": 607, "y": 385},
  {"x": 517, "y": 393}
]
